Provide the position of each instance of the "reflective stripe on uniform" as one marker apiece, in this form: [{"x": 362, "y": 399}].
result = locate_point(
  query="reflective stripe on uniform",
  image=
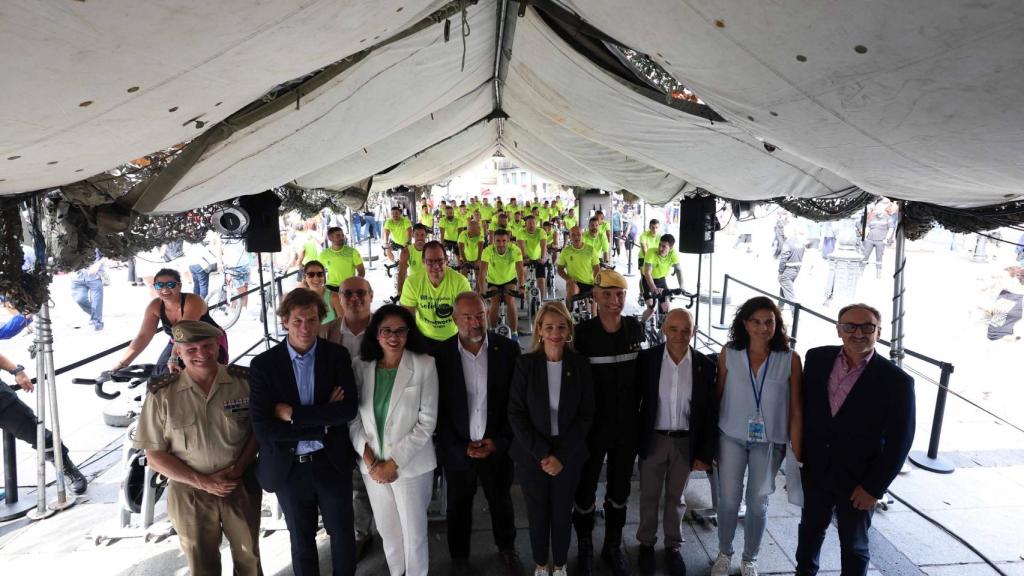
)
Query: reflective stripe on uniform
[{"x": 614, "y": 359}]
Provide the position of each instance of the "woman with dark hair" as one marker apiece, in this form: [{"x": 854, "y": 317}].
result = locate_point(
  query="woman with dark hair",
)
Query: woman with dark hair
[
  {"x": 314, "y": 279},
  {"x": 759, "y": 413},
  {"x": 397, "y": 414},
  {"x": 550, "y": 410},
  {"x": 169, "y": 307}
]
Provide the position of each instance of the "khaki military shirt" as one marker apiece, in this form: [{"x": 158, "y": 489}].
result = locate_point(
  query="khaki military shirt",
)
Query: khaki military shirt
[{"x": 207, "y": 432}]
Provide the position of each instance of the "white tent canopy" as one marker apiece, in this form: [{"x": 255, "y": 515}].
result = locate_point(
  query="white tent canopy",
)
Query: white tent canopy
[{"x": 927, "y": 107}]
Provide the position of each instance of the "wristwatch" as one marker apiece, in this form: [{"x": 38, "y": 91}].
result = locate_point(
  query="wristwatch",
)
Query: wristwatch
[{"x": 17, "y": 369}]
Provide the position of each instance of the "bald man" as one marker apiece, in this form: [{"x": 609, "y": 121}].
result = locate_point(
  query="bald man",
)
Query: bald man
[{"x": 678, "y": 422}]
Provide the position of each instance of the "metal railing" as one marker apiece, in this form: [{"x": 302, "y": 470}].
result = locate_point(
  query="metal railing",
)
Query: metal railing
[{"x": 929, "y": 460}]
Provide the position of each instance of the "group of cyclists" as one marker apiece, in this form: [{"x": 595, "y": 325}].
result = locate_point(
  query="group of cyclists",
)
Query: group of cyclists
[{"x": 497, "y": 246}]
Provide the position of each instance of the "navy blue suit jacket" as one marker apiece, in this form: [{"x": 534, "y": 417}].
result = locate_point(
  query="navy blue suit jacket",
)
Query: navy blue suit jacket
[
  {"x": 453, "y": 409},
  {"x": 867, "y": 441},
  {"x": 703, "y": 402},
  {"x": 272, "y": 380}
]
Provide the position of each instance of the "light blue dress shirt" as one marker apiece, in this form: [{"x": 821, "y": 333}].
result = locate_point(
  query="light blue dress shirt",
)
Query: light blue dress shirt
[{"x": 303, "y": 365}]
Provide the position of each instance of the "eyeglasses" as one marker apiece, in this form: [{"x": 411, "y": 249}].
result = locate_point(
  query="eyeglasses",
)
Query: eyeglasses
[
  {"x": 170, "y": 285},
  {"x": 319, "y": 274},
  {"x": 357, "y": 293},
  {"x": 864, "y": 328},
  {"x": 433, "y": 261},
  {"x": 389, "y": 332}
]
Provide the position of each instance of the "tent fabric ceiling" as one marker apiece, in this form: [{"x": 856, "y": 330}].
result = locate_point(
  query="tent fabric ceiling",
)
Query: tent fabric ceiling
[
  {"x": 467, "y": 149},
  {"x": 91, "y": 85},
  {"x": 931, "y": 111},
  {"x": 919, "y": 99},
  {"x": 380, "y": 155}
]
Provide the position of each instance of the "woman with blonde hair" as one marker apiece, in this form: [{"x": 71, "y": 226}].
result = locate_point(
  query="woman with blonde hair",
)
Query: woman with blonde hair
[{"x": 551, "y": 407}]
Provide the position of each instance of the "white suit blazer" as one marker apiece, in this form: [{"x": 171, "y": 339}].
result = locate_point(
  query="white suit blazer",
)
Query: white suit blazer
[{"x": 412, "y": 415}]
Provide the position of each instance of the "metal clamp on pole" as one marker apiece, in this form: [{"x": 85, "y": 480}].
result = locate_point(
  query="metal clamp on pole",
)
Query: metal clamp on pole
[{"x": 931, "y": 460}]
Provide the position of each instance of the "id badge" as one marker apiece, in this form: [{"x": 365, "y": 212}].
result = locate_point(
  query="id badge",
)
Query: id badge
[{"x": 755, "y": 430}]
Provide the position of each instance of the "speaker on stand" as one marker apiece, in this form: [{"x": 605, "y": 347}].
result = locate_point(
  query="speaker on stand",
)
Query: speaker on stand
[
  {"x": 264, "y": 235},
  {"x": 697, "y": 227}
]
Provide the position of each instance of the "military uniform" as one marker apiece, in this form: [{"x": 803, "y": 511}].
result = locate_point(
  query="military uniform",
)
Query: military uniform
[{"x": 207, "y": 432}]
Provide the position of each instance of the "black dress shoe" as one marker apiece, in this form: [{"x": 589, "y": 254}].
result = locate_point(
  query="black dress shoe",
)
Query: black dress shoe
[
  {"x": 676, "y": 566},
  {"x": 616, "y": 559},
  {"x": 513, "y": 565},
  {"x": 646, "y": 560},
  {"x": 74, "y": 477},
  {"x": 460, "y": 567}
]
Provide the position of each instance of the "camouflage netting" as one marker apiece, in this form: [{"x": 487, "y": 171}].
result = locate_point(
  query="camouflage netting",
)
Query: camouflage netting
[
  {"x": 919, "y": 218},
  {"x": 25, "y": 290},
  {"x": 825, "y": 209}
]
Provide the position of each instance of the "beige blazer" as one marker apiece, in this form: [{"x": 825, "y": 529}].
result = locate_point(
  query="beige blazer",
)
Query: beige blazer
[{"x": 412, "y": 415}]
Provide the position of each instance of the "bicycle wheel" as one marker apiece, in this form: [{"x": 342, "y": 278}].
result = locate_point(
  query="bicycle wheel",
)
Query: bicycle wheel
[{"x": 225, "y": 315}]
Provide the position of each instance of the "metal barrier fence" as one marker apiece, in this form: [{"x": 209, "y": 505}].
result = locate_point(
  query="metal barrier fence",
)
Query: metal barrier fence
[{"x": 929, "y": 460}]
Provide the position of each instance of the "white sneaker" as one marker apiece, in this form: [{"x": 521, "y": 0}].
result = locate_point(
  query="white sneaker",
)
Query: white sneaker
[
  {"x": 748, "y": 568},
  {"x": 540, "y": 572},
  {"x": 559, "y": 572},
  {"x": 722, "y": 565}
]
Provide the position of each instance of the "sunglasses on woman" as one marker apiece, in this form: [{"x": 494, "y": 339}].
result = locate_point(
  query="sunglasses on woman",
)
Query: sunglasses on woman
[
  {"x": 319, "y": 274},
  {"x": 170, "y": 285}
]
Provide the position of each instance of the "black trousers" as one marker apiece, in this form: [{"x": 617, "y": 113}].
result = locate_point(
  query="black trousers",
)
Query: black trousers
[
  {"x": 819, "y": 505},
  {"x": 494, "y": 475},
  {"x": 621, "y": 457},
  {"x": 18, "y": 419},
  {"x": 313, "y": 485},
  {"x": 549, "y": 509}
]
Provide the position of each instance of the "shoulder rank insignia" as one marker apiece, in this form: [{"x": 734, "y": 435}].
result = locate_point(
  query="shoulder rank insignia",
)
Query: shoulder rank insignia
[
  {"x": 239, "y": 371},
  {"x": 162, "y": 382}
]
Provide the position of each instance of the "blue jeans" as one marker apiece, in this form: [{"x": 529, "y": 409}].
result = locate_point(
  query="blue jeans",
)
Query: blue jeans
[
  {"x": 88, "y": 294},
  {"x": 736, "y": 458},
  {"x": 200, "y": 280}
]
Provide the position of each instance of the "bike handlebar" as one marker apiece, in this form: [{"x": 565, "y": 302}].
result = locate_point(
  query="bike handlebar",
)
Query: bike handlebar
[{"x": 138, "y": 372}]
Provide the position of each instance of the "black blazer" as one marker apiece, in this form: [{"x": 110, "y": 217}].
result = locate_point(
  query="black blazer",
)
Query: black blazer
[
  {"x": 529, "y": 411},
  {"x": 453, "y": 408},
  {"x": 703, "y": 402},
  {"x": 272, "y": 380},
  {"x": 868, "y": 440}
]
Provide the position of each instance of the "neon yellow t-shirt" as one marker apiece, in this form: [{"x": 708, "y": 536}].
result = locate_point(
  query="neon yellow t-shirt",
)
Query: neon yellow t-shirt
[
  {"x": 415, "y": 262},
  {"x": 451, "y": 226},
  {"x": 579, "y": 262},
  {"x": 340, "y": 264},
  {"x": 427, "y": 219},
  {"x": 660, "y": 265},
  {"x": 434, "y": 305},
  {"x": 471, "y": 245},
  {"x": 486, "y": 212},
  {"x": 501, "y": 268},
  {"x": 532, "y": 242},
  {"x": 599, "y": 242},
  {"x": 516, "y": 227},
  {"x": 649, "y": 240},
  {"x": 569, "y": 221},
  {"x": 399, "y": 230}
]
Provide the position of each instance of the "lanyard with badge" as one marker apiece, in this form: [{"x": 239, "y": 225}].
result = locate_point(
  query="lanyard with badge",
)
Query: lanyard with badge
[{"x": 755, "y": 426}]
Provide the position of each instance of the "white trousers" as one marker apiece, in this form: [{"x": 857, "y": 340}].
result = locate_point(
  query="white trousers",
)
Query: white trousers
[{"x": 400, "y": 510}]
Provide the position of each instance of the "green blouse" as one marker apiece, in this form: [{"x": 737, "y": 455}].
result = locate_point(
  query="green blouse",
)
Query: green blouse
[{"x": 384, "y": 381}]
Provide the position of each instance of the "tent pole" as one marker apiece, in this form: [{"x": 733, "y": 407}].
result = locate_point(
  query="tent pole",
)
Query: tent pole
[
  {"x": 46, "y": 325},
  {"x": 898, "y": 289}
]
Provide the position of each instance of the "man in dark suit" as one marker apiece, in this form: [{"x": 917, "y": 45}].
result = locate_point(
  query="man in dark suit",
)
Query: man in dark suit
[
  {"x": 858, "y": 428},
  {"x": 303, "y": 395},
  {"x": 474, "y": 369},
  {"x": 678, "y": 431}
]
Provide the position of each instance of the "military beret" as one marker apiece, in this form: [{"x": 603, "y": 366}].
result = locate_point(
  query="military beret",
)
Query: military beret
[
  {"x": 189, "y": 331},
  {"x": 610, "y": 279}
]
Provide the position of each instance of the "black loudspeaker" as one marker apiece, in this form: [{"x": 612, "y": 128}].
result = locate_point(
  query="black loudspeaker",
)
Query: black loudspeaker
[
  {"x": 264, "y": 233},
  {"x": 697, "y": 225}
]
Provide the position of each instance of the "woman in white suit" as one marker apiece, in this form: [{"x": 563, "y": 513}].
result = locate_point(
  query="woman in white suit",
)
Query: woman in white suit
[{"x": 397, "y": 414}]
